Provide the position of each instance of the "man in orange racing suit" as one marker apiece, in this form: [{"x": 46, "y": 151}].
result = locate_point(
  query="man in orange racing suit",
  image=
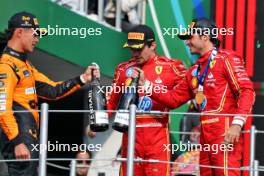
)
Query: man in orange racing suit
[
  {"x": 220, "y": 85},
  {"x": 20, "y": 86},
  {"x": 151, "y": 130}
]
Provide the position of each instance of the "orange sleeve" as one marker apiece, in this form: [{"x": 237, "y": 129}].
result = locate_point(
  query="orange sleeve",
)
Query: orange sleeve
[{"x": 8, "y": 81}]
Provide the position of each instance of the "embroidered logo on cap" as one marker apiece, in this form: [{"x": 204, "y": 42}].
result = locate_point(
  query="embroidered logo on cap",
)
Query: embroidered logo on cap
[{"x": 135, "y": 36}]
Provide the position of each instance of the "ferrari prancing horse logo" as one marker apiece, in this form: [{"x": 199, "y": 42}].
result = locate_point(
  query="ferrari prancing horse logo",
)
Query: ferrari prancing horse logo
[{"x": 158, "y": 69}]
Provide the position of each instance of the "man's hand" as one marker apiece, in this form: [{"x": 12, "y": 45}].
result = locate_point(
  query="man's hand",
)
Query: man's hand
[
  {"x": 22, "y": 152},
  {"x": 233, "y": 134},
  {"x": 87, "y": 75},
  {"x": 137, "y": 72},
  {"x": 89, "y": 132}
]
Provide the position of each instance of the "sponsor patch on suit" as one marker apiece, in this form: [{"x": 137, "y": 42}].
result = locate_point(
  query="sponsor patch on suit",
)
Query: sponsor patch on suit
[
  {"x": 26, "y": 73},
  {"x": 2, "y": 96},
  {"x": 2, "y": 83},
  {"x": 129, "y": 72},
  {"x": 2, "y": 107},
  {"x": 3, "y": 90},
  {"x": 3, "y": 76},
  {"x": 30, "y": 90}
]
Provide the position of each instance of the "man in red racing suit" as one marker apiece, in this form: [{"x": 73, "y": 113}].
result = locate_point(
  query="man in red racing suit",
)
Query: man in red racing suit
[
  {"x": 226, "y": 89},
  {"x": 151, "y": 130}
]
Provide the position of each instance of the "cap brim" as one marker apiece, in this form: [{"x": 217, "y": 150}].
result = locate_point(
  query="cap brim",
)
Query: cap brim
[
  {"x": 42, "y": 32},
  {"x": 184, "y": 36},
  {"x": 133, "y": 45}
]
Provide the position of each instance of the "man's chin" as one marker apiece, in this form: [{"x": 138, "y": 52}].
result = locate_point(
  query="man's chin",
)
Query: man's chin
[
  {"x": 140, "y": 61},
  {"x": 30, "y": 50},
  {"x": 193, "y": 51}
]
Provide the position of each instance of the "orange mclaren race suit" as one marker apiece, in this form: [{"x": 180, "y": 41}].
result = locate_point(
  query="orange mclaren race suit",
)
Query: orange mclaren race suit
[
  {"x": 227, "y": 90},
  {"x": 20, "y": 86},
  {"x": 151, "y": 130}
]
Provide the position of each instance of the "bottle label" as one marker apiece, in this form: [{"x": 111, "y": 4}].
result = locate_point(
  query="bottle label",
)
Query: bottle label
[
  {"x": 122, "y": 117},
  {"x": 101, "y": 117}
]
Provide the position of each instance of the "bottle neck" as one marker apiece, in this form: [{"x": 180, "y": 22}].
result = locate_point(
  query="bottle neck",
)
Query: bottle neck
[
  {"x": 134, "y": 82},
  {"x": 93, "y": 76},
  {"x": 94, "y": 81}
]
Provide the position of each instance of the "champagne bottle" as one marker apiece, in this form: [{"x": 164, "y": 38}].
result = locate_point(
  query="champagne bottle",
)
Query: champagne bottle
[
  {"x": 97, "y": 106},
  {"x": 121, "y": 118}
]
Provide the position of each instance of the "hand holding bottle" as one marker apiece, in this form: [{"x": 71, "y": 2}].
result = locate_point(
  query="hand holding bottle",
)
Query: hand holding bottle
[
  {"x": 137, "y": 72},
  {"x": 92, "y": 69},
  {"x": 130, "y": 96}
]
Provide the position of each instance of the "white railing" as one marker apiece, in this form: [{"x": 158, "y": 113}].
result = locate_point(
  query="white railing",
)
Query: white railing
[{"x": 253, "y": 168}]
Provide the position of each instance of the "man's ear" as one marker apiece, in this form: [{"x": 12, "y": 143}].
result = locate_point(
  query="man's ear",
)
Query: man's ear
[
  {"x": 206, "y": 37},
  {"x": 18, "y": 32}
]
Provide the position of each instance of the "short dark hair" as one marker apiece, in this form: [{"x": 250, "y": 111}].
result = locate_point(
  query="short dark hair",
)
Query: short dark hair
[
  {"x": 149, "y": 43},
  {"x": 215, "y": 41},
  {"x": 84, "y": 151},
  {"x": 3, "y": 42},
  {"x": 9, "y": 33}
]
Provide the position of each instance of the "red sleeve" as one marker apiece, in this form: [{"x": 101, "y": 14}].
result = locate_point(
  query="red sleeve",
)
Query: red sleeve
[
  {"x": 179, "y": 70},
  {"x": 114, "y": 95},
  {"x": 241, "y": 86},
  {"x": 176, "y": 97}
]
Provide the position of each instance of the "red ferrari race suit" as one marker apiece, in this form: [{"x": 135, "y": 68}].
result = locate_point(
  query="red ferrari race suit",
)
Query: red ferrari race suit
[
  {"x": 227, "y": 90},
  {"x": 152, "y": 130}
]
